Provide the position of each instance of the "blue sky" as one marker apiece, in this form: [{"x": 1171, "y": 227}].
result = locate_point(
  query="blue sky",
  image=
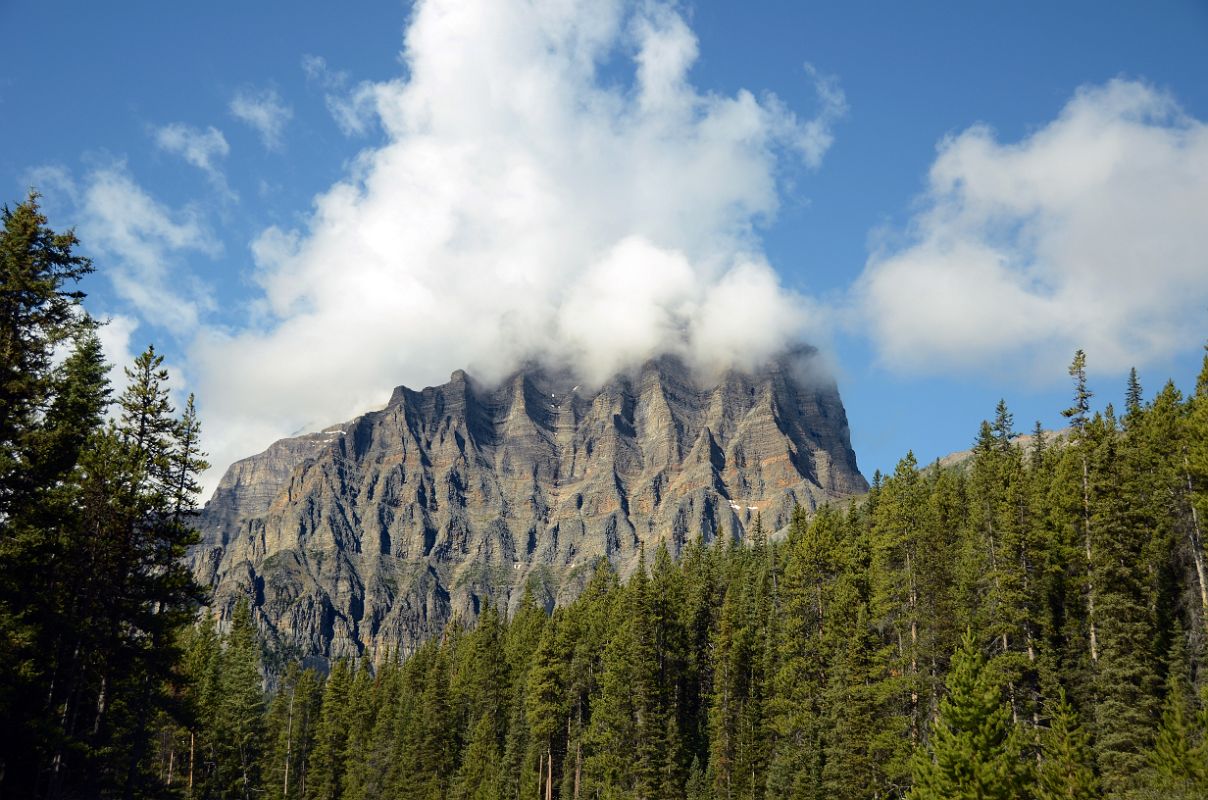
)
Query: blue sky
[{"x": 948, "y": 198}]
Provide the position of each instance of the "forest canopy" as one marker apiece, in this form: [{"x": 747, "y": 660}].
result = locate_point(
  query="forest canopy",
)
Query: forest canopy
[{"x": 1029, "y": 623}]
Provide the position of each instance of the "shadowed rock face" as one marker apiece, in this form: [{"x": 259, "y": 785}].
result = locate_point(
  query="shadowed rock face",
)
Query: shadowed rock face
[{"x": 372, "y": 535}]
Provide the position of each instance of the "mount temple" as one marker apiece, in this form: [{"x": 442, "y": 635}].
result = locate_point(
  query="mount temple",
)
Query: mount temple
[{"x": 371, "y": 535}]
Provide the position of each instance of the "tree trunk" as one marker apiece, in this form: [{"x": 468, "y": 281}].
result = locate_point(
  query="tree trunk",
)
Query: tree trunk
[
  {"x": 578, "y": 767},
  {"x": 1197, "y": 546},
  {"x": 289, "y": 743},
  {"x": 914, "y": 653},
  {"x": 1090, "y": 571}
]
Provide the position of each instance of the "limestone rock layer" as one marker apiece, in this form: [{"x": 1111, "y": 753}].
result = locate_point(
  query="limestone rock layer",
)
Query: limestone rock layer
[{"x": 370, "y": 536}]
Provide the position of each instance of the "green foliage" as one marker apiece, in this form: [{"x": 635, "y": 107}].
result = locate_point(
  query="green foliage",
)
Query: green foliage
[
  {"x": 818, "y": 664},
  {"x": 1178, "y": 762},
  {"x": 975, "y": 750},
  {"x": 1066, "y": 769},
  {"x": 93, "y": 591},
  {"x": 239, "y": 723},
  {"x": 814, "y": 663}
]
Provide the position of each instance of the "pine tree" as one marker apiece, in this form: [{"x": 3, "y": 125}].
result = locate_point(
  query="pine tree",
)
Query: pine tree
[
  {"x": 974, "y": 749},
  {"x": 1078, "y": 415},
  {"x": 478, "y": 778},
  {"x": 326, "y": 768},
  {"x": 858, "y": 747},
  {"x": 47, "y": 414},
  {"x": 362, "y": 707},
  {"x": 1178, "y": 767},
  {"x": 804, "y": 668},
  {"x": 614, "y": 735},
  {"x": 290, "y": 729},
  {"x": 1066, "y": 770},
  {"x": 1126, "y": 679},
  {"x": 543, "y": 703},
  {"x": 898, "y": 603},
  {"x": 1194, "y": 481},
  {"x": 1008, "y": 560},
  {"x": 239, "y": 722},
  {"x": 201, "y": 669},
  {"x": 379, "y": 744},
  {"x": 810, "y": 638}
]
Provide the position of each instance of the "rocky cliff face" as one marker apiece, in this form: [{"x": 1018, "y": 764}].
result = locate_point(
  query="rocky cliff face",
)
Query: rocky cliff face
[{"x": 371, "y": 535}]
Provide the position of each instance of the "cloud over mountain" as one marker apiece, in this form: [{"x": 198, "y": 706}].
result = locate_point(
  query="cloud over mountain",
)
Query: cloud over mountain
[{"x": 551, "y": 185}]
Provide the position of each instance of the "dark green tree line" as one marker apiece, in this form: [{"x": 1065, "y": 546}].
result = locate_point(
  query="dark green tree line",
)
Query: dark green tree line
[
  {"x": 94, "y": 522},
  {"x": 1026, "y": 624}
]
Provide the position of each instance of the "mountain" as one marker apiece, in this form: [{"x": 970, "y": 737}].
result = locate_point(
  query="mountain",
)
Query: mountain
[{"x": 373, "y": 534}]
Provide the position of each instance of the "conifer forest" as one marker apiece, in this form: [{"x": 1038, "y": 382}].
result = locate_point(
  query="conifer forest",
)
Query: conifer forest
[{"x": 1030, "y": 622}]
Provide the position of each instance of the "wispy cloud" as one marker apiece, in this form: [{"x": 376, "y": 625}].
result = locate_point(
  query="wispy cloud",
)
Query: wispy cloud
[
  {"x": 817, "y": 135},
  {"x": 265, "y": 111},
  {"x": 202, "y": 149},
  {"x": 1091, "y": 232},
  {"x": 353, "y": 107},
  {"x": 142, "y": 241}
]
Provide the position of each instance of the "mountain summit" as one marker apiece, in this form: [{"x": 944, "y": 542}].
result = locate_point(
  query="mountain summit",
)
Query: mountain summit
[{"x": 373, "y": 534}]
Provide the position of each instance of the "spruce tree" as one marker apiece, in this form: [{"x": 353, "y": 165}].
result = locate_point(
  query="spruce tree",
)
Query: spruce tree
[
  {"x": 39, "y": 312},
  {"x": 326, "y": 768},
  {"x": 974, "y": 751},
  {"x": 1066, "y": 770},
  {"x": 544, "y": 704},
  {"x": 290, "y": 731},
  {"x": 239, "y": 722},
  {"x": 47, "y": 414},
  {"x": 1078, "y": 414},
  {"x": 1178, "y": 767},
  {"x": 1126, "y": 679}
]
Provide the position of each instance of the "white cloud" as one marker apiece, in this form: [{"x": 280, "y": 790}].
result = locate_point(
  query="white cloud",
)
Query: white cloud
[
  {"x": 202, "y": 149},
  {"x": 352, "y": 108},
  {"x": 54, "y": 182},
  {"x": 265, "y": 111},
  {"x": 524, "y": 205},
  {"x": 140, "y": 240},
  {"x": 817, "y": 135},
  {"x": 1092, "y": 232},
  {"x": 117, "y": 335}
]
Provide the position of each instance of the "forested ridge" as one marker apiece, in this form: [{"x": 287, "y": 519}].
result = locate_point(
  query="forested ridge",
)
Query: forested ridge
[{"x": 1031, "y": 623}]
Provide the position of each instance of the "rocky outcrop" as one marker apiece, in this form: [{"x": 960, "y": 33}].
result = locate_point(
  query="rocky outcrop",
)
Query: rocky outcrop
[{"x": 373, "y": 534}]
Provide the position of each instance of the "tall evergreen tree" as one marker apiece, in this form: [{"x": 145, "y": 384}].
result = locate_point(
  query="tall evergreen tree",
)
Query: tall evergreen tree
[
  {"x": 1078, "y": 415},
  {"x": 1126, "y": 679},
  {"x": 974, "y": 749},
  {"x": 1066, "y": 770},
  {"x": 326, "y": 767},
  {"x": 1179, "y": 758},
  {"x": 47, "y": 413},
  {"x": 239, "y": 722},
  {"x": 290, "y": 729}
]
